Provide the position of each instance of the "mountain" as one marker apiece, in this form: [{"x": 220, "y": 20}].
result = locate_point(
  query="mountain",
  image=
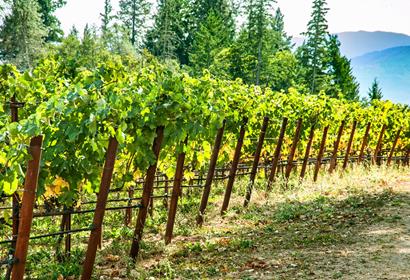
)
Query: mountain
[
  {"x": 358, "y": 43},
  {"x": 381, "y": 55},
  {"x": 391, "y": 67}
]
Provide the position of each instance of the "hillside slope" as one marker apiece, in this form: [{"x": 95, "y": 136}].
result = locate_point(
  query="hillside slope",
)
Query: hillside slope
[{"x": 391, "y": 67}]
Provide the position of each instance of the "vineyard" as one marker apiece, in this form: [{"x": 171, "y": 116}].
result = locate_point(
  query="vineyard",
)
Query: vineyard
[{"x": 75, "y": 141}]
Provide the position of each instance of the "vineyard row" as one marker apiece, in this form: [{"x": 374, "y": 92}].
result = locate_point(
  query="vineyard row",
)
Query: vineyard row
[{"x": 23, "y": 219}]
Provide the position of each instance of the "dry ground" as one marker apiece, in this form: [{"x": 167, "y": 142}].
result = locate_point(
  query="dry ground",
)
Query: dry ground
[{"x": 349, "y": 226}]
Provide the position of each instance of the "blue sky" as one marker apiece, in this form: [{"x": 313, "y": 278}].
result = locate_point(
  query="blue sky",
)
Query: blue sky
[{"x": 344, "y": 15}]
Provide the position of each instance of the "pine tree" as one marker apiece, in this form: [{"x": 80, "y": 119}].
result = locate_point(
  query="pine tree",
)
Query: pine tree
[
  {"x": 284, "y": 41},
  {"x": 53, "y": 25},
  {"x": 212, "y": 36},
  {"x": 169, "y": 37},
  {"x": 22, "y": 34},
  {"x": 116, "y": 40},
  {"x": 133, "y": 14},
  {"x": 202, "y": 8},
  {"x": 313, "y": 53},
  {"x": 207, "y": 13},
  {"x": 257, "y": 38},
  {"x": 253, "y": 55},
  {"x": 106, "y": 16},
  {"x": 375, "y": 92},
  {"x": 341, "y": 72}
]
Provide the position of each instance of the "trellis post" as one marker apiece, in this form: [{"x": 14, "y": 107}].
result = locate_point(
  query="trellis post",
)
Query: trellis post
[
  {"x": 256, "y": 159},
  {"x": 146, "y": 194},
  {"x": 28, "y": 200}
]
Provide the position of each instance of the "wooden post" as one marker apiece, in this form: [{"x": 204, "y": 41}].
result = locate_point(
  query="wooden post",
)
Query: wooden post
[
  {"x": 321, "y": 152},
  {"x": 364, "y": 143},
  {"x": 128, "y": 211},
  {"x": 333, "y": 160},
  {"x": 211, "y": 172},
  {"x": 68, "y": 236},
  {"x": 277, "y": 153},
  {"x": 179, "y": 175},
  {"x": 146, "y": 194},
  {"x": 379, "y": 146},
  {"x": 29, "y": 197},
  {"x": 166, "y": 193},
  {"x": 15, "y": 203},
  {"x": 96, "y": 231},
  {"x": 291, "y": 156},
  {"x": 234, "y": 167},
  {"x": 396, "y": 139},
  {"x": 307, "y": 152},
  {"x": 256, "y": 159},
  {"x": 349, "y": 145}
]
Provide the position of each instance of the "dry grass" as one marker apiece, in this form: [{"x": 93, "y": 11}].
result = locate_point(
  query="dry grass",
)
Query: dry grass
[{"x": 348, "y": 225}]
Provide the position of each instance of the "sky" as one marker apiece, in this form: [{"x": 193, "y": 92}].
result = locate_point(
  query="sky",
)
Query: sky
[{"x": 344, "y": 15}]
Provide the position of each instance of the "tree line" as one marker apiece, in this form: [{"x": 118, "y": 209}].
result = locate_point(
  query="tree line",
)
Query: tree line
[{"x": 231, "y": 39}]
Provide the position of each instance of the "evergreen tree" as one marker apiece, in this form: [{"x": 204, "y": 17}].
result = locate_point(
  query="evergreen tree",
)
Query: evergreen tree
[
  {"x": 133, "y": 14},
  {"x": 375, "y": 92},
  {"x": 341, "y": 72},
  {"x": 170, "y": 35},
  {"x": 53, "y": 25},
  {"x": 313, "y": 54},
  {"x": 284, "y": 42},
  {"x": 205, "y": 14},
  {"x": 106, "y": 16},
  {"x": 253, "y": 55},
  {"x": 202, "y": 8},
  {"x": 22, "y": 34},
  {"x": 116, "y": 40},
  {"x": 74, "y": 32},
  {"x": 256, "y": 38},
  {"x": 212, "y": 36}
]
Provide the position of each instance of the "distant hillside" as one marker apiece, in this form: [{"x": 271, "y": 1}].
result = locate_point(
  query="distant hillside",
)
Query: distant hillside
[
  {"x": 359, "y": 43},
  {"x": 362, "y": 42},
  {"x": 391, "y": 67}
]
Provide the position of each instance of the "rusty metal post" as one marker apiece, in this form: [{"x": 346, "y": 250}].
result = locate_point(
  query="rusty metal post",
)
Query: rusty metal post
[
  {"x": 333, "y": 160},
  {"x": 321, "y": 152},
  {"x": 349, "y": 145},
  {"x": 179, "y": 175},
  {"x": 29, "y": 197},
  {"x": 211, "y": 171},
  {"x": 291, "y": 156},
  {"x": 276, "y": 155},
  {"x": 234, "y": 167},
  {"x": 255, "y": 164},
  {"x": 146, "y": 194},
  {"x": 364, "y": 143},
  {"x": 379, "y": 145},
  {"x": 95, "y": 235},
  {"x": 307, "y": 152},
  {"x": 396, "y": 139}
]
